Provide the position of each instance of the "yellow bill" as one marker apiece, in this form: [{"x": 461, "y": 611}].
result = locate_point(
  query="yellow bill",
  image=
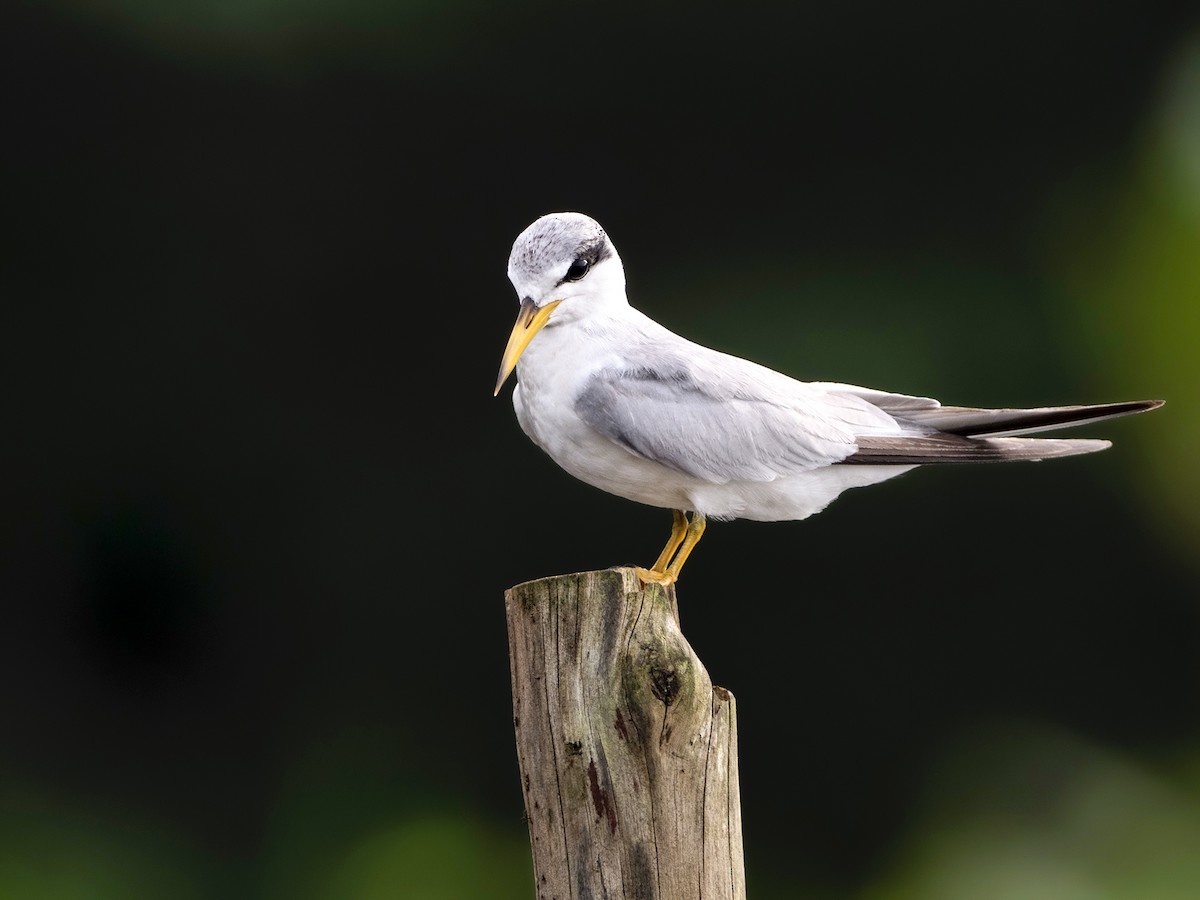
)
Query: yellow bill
[{"x": 529, "y": 322}]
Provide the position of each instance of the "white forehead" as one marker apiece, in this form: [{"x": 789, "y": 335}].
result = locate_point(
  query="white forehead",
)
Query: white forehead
[{"x": 554, "y": 241}]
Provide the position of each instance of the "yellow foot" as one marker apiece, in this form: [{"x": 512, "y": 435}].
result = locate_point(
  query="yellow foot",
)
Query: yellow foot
[{"x": 653, "y": 576}]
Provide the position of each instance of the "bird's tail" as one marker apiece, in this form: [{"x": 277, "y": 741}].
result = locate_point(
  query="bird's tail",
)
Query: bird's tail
[
  {"x": 970, "y": 422},
  {"x": 959, "y": 434}
]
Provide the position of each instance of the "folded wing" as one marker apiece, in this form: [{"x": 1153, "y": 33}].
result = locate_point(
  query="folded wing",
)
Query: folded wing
[{"x": 963, "y": 434}]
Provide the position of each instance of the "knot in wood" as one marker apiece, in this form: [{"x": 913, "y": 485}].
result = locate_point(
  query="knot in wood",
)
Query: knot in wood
[{"x": 664, "y": 684}]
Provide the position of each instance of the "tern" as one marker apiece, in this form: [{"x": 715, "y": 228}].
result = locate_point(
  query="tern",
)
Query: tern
[{"x": 628, "y": 406}]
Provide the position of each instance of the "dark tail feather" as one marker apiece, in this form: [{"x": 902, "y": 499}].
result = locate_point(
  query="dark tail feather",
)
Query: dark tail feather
[{"x": 900, "y": 450}]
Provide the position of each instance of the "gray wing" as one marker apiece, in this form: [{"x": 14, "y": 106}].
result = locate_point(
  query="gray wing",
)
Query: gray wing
[{"x": 724, "y": 419}]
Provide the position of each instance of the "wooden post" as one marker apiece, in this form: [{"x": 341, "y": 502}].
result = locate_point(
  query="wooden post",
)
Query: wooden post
[{"x": 627, "y": 751}]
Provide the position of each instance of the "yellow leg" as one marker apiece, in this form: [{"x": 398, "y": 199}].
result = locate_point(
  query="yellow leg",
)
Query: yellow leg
[
  {"x": 695, "y": 531},
  {"x": 684, "y": 535},
  {"x": 679, "y": 527}
]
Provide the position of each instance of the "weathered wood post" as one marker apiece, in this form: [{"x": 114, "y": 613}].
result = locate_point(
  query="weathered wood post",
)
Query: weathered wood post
[{"x": 627, "y": 751}]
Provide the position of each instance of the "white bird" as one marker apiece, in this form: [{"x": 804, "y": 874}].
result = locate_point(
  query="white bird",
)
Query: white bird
[{"x": 628, "y": 406}]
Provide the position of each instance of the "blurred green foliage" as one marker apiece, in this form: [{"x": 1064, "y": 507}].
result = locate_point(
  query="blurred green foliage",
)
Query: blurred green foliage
[
  {"x": 439, "y": 858},
  {"x": 54, "y": 848},
  {"x": 1015, "y": 810},
  {"x": 1126, "y": 258}
]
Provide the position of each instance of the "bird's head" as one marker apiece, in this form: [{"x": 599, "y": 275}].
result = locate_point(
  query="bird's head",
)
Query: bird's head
[{"x": 563, "y": 264}]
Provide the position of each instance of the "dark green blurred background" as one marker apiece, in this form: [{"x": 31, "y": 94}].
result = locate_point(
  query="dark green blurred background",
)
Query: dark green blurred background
[{"x": 260, "y": 506}]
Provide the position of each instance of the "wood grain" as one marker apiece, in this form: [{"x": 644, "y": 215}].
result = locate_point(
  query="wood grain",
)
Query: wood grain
[{"x": 627, "y": 751}]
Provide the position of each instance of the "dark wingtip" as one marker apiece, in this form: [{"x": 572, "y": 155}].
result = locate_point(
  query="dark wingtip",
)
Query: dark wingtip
[{"x": 1132, "y": 406}]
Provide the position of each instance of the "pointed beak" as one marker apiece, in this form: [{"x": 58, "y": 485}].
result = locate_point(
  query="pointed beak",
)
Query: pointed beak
[{"x": 529, "y": 322}]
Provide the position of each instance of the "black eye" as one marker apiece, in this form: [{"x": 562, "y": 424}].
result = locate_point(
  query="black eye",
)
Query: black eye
[{"x": 578, "y": 269}]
